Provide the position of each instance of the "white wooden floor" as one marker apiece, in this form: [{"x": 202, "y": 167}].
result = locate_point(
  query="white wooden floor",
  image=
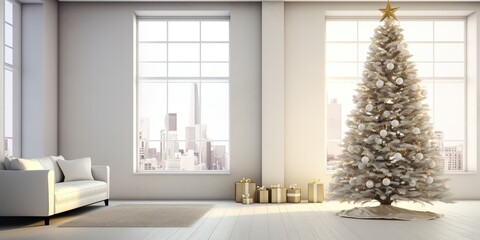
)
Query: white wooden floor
[{"x": 229, "y": 220}]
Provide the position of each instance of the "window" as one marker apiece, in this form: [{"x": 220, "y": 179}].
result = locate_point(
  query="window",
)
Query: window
[
  {"x": 11, "y": 73},
  {"x": 438, "y": 47},
  {"x": 183, "y": 95}
]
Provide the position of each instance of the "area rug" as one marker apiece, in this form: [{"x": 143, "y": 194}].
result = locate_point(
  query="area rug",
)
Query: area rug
[
  {"x": 388, "y": 212},
  {"x": 142, "y": 215}
]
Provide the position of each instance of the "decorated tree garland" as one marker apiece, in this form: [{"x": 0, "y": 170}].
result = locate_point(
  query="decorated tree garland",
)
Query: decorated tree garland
[{"x": 390, "y": 150}]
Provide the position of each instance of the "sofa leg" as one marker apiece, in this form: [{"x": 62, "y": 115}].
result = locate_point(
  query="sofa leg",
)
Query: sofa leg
[
  {"x": 47, "y": 221},
  {"x": 106, "y": 202}
]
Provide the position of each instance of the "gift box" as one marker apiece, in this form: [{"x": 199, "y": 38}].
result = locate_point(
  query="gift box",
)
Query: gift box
[
  {"x": 262, "y": 194},
  {"x": 244, "y": 186},
  {"x": 294, "y": 194},
  {"x": 246, "y": 199},
  {"x": 315, "y": 191},
  {"x": 277, "y": 194}
]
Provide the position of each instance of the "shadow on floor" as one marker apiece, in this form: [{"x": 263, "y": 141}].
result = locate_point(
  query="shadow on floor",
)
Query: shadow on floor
[{"x": 8, "y": 223}]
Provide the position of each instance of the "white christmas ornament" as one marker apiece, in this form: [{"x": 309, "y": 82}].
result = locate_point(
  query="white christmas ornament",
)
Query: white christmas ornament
[
  {"x": 402, "y": 191},
  {"x": 361, "y": 126},
  {"x": 416, "y": 131},
  {"x": 386, "y": 114},
  {"x": 352, "y": 182},
  {"x": 390, "y": 66},
  {"x": 365, "y": 159},
  {"x": 361, "y": 166},
  {"x": 379, "y": 83},
  {"x": 413, "y": 183},
  {"x": 386, "y": 181},
  {"x": 414, "y": 87},
  {"x": 350, "y": 148},
  {"x": 383, "y": 133},
  {"x": 399, "y": 81},
  {"x": 378, "y": 141},
  {"x": 369, "y": 107},
  {"x": 399, "y": 47},
  {"x": 369, "y": 184},
  {"x": 397, "y": 156},
  {"x": 429, "y": 180},
  {"x": 419, "y": 156},
  {"x": 432, "y": 164},
  {"x": 383, "y": 197},
  {"x": 395, "y": 123}
]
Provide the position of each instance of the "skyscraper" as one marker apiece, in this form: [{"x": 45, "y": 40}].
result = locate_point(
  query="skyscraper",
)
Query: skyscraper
[
  {"x": 454, "y": 156},
  {"x": 171, "y": 121},
  {"x": 195, "y": 105},
  {"x": 220, "y": 153},
  {"x": 441, "y": 149},
  {"x": 334, "y": 120},
  {"x": 334, "y": 133}
]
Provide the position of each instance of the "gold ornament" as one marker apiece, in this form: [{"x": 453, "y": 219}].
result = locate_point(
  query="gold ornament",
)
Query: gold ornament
[{"x": 388, "y": 12}]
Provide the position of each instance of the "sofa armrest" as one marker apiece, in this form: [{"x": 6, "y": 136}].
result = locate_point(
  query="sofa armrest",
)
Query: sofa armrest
[
  {"x": 27, "y": 193},
  {"x": 102, "y": 173}
]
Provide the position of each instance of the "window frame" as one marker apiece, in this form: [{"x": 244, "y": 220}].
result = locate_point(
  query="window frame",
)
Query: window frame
[
  {"x": 172, "y": 16},
  {"x": 470, "y": 139},
  {"x": 16, "y": 70}
]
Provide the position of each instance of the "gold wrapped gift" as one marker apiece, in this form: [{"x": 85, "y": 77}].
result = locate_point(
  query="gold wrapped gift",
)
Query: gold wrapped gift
[
  {"x": 246, "y": 199},
  {"x": 244, "y": 186},
  {"x": 315, "y": 191},
  {"x": 262, "y": 194},
  {"x": 294, "y": 194},
  {"x": 277, "y": 194}
]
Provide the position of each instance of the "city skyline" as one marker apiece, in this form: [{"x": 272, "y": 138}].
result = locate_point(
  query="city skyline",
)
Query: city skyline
[{"x": 195, "y": 152}]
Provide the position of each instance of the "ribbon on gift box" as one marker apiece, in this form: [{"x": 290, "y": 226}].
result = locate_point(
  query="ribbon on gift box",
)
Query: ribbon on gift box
[
  {"x": 315, "y": 182},
  {"x": 293, "y": 194},
  {"x": 262, "y": 188},
  {"x": 246, "y": 180},
  {"x": 246, "y": 195},
  {"x": 294, "y": 186}
]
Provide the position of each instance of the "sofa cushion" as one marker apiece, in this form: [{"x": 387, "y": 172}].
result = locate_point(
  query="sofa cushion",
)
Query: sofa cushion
[
  {"x": 7, "y": 161},
  {"x": 78, "y": 169},
  {"x": 76, "y": 190},
  {"x": 26, "y": 164},
  {"x": 56, "y": 168}
]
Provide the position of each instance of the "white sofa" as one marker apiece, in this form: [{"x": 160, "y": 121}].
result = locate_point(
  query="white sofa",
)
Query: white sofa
[{"x": 42, "y": 193}]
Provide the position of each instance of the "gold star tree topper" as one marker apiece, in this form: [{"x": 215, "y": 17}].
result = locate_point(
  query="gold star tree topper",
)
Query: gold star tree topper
[{"x": 388, "y": 12}]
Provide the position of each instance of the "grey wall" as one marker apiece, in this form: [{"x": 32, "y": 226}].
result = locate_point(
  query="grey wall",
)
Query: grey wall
[
  {"x": 39, "y": 79},
  {"x": 96, "y": 97}
]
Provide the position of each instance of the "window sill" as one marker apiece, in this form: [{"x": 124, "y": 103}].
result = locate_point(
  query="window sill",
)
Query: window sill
[{"x": 183, "y": 173}]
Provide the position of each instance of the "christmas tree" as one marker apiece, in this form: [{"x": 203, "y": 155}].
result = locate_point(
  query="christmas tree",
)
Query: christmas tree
[{"x": 390, "y": 151}]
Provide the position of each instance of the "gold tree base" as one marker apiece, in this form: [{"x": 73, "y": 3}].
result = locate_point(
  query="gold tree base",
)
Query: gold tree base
[{"x": 388, "y": 212}]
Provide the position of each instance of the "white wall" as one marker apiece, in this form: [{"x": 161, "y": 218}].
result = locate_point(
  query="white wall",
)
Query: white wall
[
  {"x": 39, "y": 79},
  {"x": 273, "y": 94},
  {"x": 305, "y": 90},
  {"x": 96, "y": 97}
]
